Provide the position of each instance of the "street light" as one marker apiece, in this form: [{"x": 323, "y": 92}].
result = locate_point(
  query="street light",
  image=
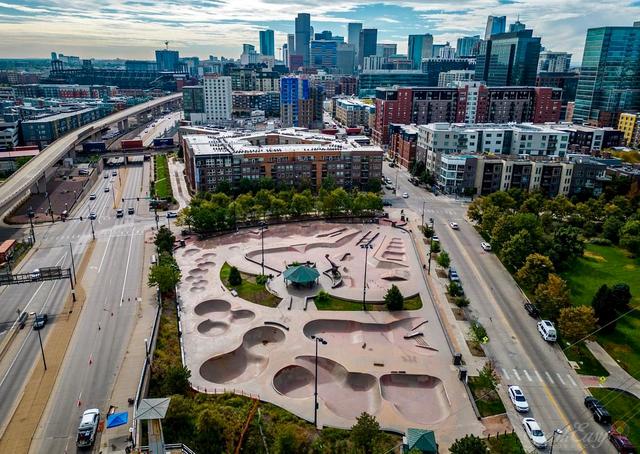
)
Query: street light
[
  {"x": 263, "y": 226},
  {"x": 423, "y": 202},
  {"x": 553, "y": 438},
  {"x": 315, "y": 393},
  {"x": 433, "y": 231},
  {"x": 31, "y": 214},
  {"x": 366, "y": 248},
  {"x": 44, "y": 361}
]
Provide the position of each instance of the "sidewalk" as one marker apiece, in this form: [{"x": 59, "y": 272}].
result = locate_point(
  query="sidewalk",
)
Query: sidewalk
[
  {"x": 126, "y": 385},
  {"x": 618, "y": 377},
  {"x": 180, "y": 191}
]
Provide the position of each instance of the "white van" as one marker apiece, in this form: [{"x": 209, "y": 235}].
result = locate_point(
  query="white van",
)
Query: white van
[
  {"x": 154, "y": 259},
  {"x": 547, "y": 330},
  {"x": 88, "y": 428}
]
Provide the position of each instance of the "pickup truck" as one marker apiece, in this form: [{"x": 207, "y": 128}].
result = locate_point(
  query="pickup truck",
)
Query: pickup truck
[{"x": 88, "y": 428}]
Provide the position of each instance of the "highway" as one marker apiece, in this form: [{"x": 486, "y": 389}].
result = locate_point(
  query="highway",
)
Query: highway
[
  {"x": 554, "y": 391},
  {"x": 18, "y": 183}
]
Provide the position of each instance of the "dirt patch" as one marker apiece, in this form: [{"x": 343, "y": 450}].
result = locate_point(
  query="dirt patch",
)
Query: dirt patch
[
  {"x": 458, "y": 314},
  {"x": 441, "y": 273},
  {"x": 475, "y": 348},
  {"x": 595, "y": 257}
]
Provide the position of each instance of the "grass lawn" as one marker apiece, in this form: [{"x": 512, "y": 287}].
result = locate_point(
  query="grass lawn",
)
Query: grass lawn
[
  {"x": 338, "y": 304},
  {"x": 248, "y": 289},
  {"x": 505, "y": 444},
  {"x": 162, "y": 180},
  {"x": 488, "y": 402},
  {"x": 610, "y": 265},
  {"x": 622, "y": 407},
  {"x": 589, "y": 365}
]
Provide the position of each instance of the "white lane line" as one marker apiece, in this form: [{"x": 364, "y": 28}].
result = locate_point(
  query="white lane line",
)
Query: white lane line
[
  {"x": 527, "y": 375},
  {"x": 515, "y": 372},
  {"x": 571, "y": 380},
  {"x": 126, "y": 271},
  {"x": 506, "y": 375},
  {"x": 105, "y": 251},
  {"x": 549, "y": 377},
  {"x": 560, "y": 378}
]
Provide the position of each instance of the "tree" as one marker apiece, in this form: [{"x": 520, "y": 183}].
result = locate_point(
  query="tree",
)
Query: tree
[
  {"x": 179, "y": 423},
  {"x": 470, "y": 444},
  {"x": 176, "y": 380},
  {"x": 552, "y": 296},
  {"x": 235, "y": 278},
  {"x": 515, "y": 251},
  {"x": 488, "y": 378},
  {"x": 455, "y": 289},
  {"x": 164, "y": 240},
  {"x": 210, "y": 431},
  {"x": 630, "y": 236},
  {"x": 394, "y": 299},
  {"x": 165, "y": 276},
  {"x": 604, "y": 310},
  {"x": 535, "y": 271},
  {"x": 288, "y": 440},
  {"x": 365, "y": 432},
  {"x": 611, "y": 228},
  {"x": 621, "y": 296},
  {"x": 443, "y": 259},
  {"x": 576, "y": 323},
  {"x": 566, "y": 245},
  {"x": 374, "y": 185}
]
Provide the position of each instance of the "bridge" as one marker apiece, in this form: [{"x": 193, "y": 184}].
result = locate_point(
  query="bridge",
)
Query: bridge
[{"x": 18, "y": 186}]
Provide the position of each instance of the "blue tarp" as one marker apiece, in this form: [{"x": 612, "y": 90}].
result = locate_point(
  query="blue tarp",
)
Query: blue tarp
[{"x": 117, "y": 419}]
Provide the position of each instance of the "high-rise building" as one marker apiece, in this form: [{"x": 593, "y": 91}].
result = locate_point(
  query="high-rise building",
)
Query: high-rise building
[
  {"x": 433, "y": 67},
  {"x": 249, "y": 55},
  {"x": 267, "y": 43},
  {"x": 448, "y": 78},
  {"x": 353, "y": 36},
  {"x": 167, "y": 60},
  {"x": 291, "y": 49},
  {"x": 467, "y": 46},
  {"x": 303, "y": 36},
  {"x": 509, "y": 59},
  {"x": 517, "y": 26},
  {"x": 193, "y": 104},
  {"x": 495, "y": 25},
  {"x": 324, "y": 35},
  {"x": 217, "y": 98},
  {"x": 345, "y": 58},
  {"x": 610, "y": 76},
  {"x": 300, "y": 103},
  {"x": 368, "y": 43},
  {"x": 386, "y": 50},
  {"x": 554, "y": 62},
  {"x": 323, "y": 54},
  {"x": 419, "y": 47},
  {"x": 447, "y": 52}
]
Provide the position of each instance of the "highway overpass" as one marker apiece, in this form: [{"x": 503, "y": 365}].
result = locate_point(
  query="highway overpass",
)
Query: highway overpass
[{"x": 18, "y": 186}]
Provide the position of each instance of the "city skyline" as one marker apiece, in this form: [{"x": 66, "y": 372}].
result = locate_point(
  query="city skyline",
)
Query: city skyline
[{"x": 34, "y": 28}]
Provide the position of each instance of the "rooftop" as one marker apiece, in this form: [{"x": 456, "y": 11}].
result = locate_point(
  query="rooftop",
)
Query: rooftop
[{"x": 61, "y": 115}]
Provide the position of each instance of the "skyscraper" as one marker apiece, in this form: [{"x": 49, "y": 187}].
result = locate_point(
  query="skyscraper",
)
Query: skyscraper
[
  {"x": 610, "y": 76},
  {"x": 346, "y": 58},
  {"x": 509, "y": 59},
  {"x": 368, "y": 43},
  {"x": 554, "y": 62},
  {"x": 167, "y": 60},
  {"x": 323, "y": 54},
  {"x": 495, "y": 25},
  {"x": 217, "y": 98},
  {"x": 467, "y": 46},
  {"x": 267, "y": 43},
  {"x": 303, "y": 36},
  {"x": 353, "y": 36},
  {"x": 386, "y": 50},
  {"x": 291, "y": 48},
  {"x": 517, "y": 26},
  {"x": 419, "y": 47}
]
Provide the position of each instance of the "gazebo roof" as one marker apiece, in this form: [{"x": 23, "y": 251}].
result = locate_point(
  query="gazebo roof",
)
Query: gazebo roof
[
  {"x": 422, "y": 440},
  {"x": 301, "y": 274}
]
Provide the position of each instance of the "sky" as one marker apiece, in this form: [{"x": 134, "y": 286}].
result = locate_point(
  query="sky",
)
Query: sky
[{"x": 133, "y": 29}]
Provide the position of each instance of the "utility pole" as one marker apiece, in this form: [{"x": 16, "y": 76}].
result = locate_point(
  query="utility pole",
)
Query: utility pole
[
  {"x": 366, "y": 248},
  {"x": 315, "y": 393},
  {"x": 73, "y": 264},
  {"x": 31, "y": 214}
]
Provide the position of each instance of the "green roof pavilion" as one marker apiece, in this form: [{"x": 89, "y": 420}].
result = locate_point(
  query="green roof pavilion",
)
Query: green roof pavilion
[{"x": 301, "y": 275}]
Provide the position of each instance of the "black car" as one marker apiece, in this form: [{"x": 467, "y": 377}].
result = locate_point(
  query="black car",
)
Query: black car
[
  {"x": 532, "y": 310},
  {"x": 40, "y": 321},
  {"x": 600, "y": 414}
]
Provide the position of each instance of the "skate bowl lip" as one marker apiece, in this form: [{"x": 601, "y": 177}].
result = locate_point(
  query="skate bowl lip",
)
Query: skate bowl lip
[
  {"x": 207, "y": 326},
  {"x": 212, "y": 306},
  {"x": 280, "y": 385},
  {"x": 407, "y": 394},
  {"x": 321, "y": 326}
]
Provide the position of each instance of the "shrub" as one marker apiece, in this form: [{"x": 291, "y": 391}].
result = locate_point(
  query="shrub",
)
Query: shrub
[
  {"x": 234, "y": 276},
  {"x": 461, "y": 301},
  {"x": 601, "y": 241},
  {"x": 394, "y": 299},
  {"x": 435, "y": 246},
  {"x": 455, "y": 289},
  {"x": 322, "y": 297},
  {"x": 479, "y": 332},
  {"x": 261, "y": 279}
]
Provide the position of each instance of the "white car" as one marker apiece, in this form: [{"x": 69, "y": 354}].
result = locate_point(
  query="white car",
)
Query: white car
[
  {"x": 92, "y": 196},
  {"x": 405, "y": 195},
  {"x": 534, "y": 432},
  {"x": 454, "y": 225},
  {"x": 486, "y": 246},
  {"x": 172, "y": 214},
  {"x": 517, "y": 399}
]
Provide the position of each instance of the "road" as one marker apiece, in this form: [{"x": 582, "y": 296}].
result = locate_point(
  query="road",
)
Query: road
[{"x": 554, "y": 391}]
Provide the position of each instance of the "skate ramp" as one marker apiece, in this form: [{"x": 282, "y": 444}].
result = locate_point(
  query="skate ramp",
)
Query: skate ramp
[
  {"x": 213, "y": 328},
  {"x": 420, "y": 398},
  {"x": 212, "y": 307},
  {"x": 294, "y": 381},
  {"x": 247, "y": 361}
]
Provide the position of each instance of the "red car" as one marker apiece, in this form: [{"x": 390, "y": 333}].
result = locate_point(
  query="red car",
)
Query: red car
[{"x": 621, "y": 443}]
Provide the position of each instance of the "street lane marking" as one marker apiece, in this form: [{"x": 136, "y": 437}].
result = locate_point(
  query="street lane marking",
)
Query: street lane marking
[
  {"x": 560, "y": 378},
  {"x": 549, "y": 377},
  {"x": 571, "y": 380},
  {"x": 527, "y": 375},
  {"x": 126, "y": 271},
  {"x": 506, "y": 375},
  {"x": 538, "y": 375},
  {"x": 515, "y": 372}
]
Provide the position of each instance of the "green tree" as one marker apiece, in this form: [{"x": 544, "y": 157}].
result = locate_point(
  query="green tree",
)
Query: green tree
[
  {"x": 443, "y": 259},
  {"x": 394, "y": 299},
  {"x": 210, "y": 432},
  {"x": 552, "y": 296},
  {"x": 611, "y": 228},
  {"x": 630, "y": 236},
  {"x": 576, "y": 323},
  {"x": 621, "y": 296},
  {"x": 301, "y": 204},
  {"x": 165, "y": 276},
  {"x": 179, "y": 422},
  {"x": 176, "y": 380},
  {"x": 470, "y": 444},
  {"x": 455, "y": 289},
  {"x": 288, "y": 440},
  {"x": 365, "y": 432},
  {"x": 535, "y": 271},
  {"x": 566, "y": 245},
  {"x": 235, "y": 278},
  {"x": 164, "y": 240},
  {"x": 488, "y": 378},
  {"x": 516, "y": 249},
  {"x": 604, "y": 310},
  {"x": 374, "y": 185}
]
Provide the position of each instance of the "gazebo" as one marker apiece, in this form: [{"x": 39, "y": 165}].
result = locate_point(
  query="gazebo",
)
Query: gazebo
[{"x": 301, "y": 275}]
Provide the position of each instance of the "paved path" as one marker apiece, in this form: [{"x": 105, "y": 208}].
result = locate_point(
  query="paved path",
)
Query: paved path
[
  {"x": 178, "y": 183},
  {"x": 618, "y": 377}
]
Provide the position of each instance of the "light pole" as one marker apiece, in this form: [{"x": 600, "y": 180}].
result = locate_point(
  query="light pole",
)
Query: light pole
[
  {"x": 263, "y": 226},
  {"x": 423, "y": 202},
  {"x": 44, "y": 361},
  {"x": 553, "y": 438},
  {"x": 433, "y": 231},
  {"x": 315, "y": 392},
  {"x": 31, "y": 214},
  {"x": 366, "y": 248},
  {"x": 93, "y": 233}
]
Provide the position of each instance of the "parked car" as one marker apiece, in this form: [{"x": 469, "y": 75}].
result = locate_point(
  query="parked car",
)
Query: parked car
[
  {"x": 386, "y": 203},
  {"x": 453, "y": 275},
  {"x": 547, "y": 330},
  {"x": 435, "y": 238},
  {"x": 454, "y": 225},
  {"x": 40, "y": 321},
  {"x": 532, "y": 310},
  {"x": 621, "y": 443},
  {"x": 92, "y": 196},
  {"x": 517, "y": 399},
  {"x": 405, "y": 195},
  {"x": 600, "y": 414},
  {"x": 534, "y": 432},
  {"x": 172, "y": 214},
  {"x": 119, "y": 212},
  {"x": 486, "y": 246}
]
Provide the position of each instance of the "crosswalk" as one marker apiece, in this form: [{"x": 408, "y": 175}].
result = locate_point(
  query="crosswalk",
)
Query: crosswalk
[
  {"x": 551, "y": 378},
  {"x": 100, "y": 234}
]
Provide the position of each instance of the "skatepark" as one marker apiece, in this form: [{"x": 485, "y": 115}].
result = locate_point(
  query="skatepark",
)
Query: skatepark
[{"x": 394, "y": 365}]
